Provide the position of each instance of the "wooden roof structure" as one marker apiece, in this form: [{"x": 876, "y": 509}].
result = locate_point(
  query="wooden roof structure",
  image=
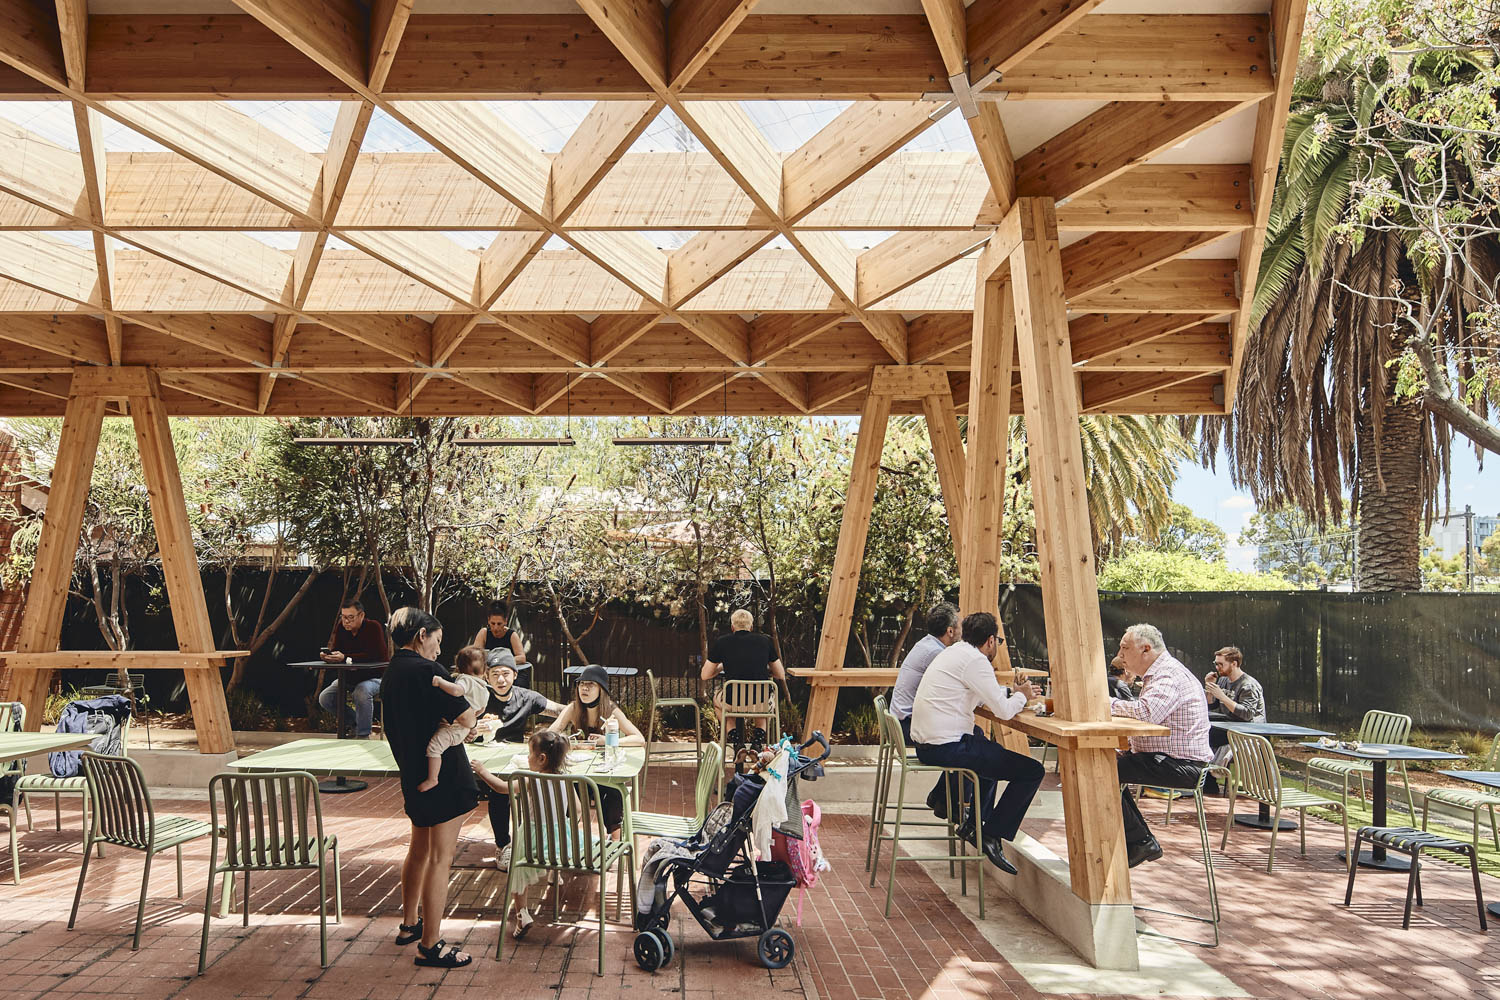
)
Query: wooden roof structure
[{"x": 170, "y": 223}]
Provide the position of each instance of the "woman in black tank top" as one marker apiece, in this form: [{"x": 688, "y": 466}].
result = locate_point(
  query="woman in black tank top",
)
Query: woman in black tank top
[{"x": 497, "y": 634}]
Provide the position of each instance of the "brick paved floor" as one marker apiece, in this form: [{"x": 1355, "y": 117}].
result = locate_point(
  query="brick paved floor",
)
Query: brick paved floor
[{"x": 1285, "y": 937}]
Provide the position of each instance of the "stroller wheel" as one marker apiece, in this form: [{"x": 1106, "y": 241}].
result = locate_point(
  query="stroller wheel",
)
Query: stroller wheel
[
  {"x": 667, "y": 947},
  {"x": 775, "y": 948},
  {"x": 648, "y": 951}
]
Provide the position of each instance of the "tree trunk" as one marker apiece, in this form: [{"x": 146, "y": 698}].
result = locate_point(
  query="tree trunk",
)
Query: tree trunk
[{"x": 1390, "y": 498}]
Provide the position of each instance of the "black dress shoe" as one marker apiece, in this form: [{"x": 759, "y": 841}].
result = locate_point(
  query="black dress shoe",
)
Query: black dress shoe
[
  {"x": 996, "y": 854},
  {"x": 938, "y": 803},
  {"x": 1145, "y": 850},
  {"x": 965, "y": 830}
]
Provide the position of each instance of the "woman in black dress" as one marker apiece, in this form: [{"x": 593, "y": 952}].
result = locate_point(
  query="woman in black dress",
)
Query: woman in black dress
[{"x": 414, "y": 708}]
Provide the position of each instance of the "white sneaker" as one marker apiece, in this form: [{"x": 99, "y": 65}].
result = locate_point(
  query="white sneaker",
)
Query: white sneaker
[{"x": 503, "y": 861}]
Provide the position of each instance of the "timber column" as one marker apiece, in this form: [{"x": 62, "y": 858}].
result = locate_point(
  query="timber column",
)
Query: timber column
[
  {"x": 41, "y": 623},
  {"x": 1075, "y": 639}
]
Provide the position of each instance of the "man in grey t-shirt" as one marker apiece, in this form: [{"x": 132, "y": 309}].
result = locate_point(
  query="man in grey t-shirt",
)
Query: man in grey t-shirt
[
  {"x": 942, "y": 632},
  {"x": 1232, "y": 694}
]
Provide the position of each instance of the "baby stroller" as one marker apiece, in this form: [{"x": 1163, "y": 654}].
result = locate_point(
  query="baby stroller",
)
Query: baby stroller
[{"x": 716, "y": 876}]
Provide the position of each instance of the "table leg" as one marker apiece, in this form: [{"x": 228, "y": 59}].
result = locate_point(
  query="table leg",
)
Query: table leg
[
  {"x": 1261, "y": 820},
  {"x": 341, "y": 785},
  {"x": 1377, "y": 857}
]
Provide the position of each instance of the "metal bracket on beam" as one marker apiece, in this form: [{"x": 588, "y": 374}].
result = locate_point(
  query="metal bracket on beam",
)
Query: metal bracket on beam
[
  {"x": 1271, "y": 47},
  {"x": 963, "y": 95},
  {"x": 1239, "y": 289}
]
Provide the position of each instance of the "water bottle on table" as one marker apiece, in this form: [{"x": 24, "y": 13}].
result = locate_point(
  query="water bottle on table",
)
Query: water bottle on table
[{"x": 611, "y": 742}]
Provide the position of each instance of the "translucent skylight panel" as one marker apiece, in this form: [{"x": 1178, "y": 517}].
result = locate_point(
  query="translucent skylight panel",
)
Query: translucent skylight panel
[
  {"x": 788, "y": 124},
  {"x": 557, "y": 243},
  {"x": 307, "y": 124},
  {"x": 121, "y": 138},
  {"x": 548, "y": 125},
  {"x": 471, "y": 239},
  {"x": 1028, "y": 124},
  {"x": 276, "y": 239},
  {"x": 949, "y": 134},
  {"x": 668, "y": 239},
  {"x": 865, "y": 239},
  {"x": 334, "y": 243},
  {"x": 77, "y": 237},
  {"x": 667, "y": 135},
  {"x": 387, "y": 135},
  {"x": 50, "y": 120}
]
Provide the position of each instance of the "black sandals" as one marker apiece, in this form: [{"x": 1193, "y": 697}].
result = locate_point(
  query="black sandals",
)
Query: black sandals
[
  {"x": 437, "y": 958},
  {"x": 407, "y": 933}
]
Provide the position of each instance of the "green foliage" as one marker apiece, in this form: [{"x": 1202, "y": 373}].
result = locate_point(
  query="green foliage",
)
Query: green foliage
[
  {"x": 1291, "y": 545},
  {"x": 861, "y": 723},
  {"x": 1143, "y": 570},
  {"x": 1440, "y": 572},
  {"x": 1186, "y": 532}
]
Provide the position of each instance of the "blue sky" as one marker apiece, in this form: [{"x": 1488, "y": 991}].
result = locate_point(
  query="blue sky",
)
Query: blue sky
[{"x": 1213, "y": 497}]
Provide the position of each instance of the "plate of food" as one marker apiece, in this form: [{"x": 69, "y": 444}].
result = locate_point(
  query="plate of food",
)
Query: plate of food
[
  {"x": 1374, "y": 751},
  {"x": 1327, "y": 742},
  {"x": 579, "y": 756}
]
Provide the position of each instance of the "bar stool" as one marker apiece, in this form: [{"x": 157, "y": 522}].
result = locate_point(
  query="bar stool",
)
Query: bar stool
[
  {"x": 658, "y": 703},
  {"x": 1222, "y": 774},
  {"x": 891, "y": 733},
  {"x": 747, "y": 700}
]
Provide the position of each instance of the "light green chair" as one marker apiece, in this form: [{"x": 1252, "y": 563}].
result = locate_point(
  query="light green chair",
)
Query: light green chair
[
  {"x": 123, "y": 815},
  {"x": 904, "y": 766},
  {"x": 557, "y": 825},
  {"x": 1377, "y": 727},
  {"x": 273, "y": 822},
  {"x": 648, "y": 824},
  {"x": 45, "y": 784},
  {"x": 658, "y": 703},
  {"x": 884, "y": 767},
  {"x": 1463, "y": 798},
  {"x": 1257, "y": 776},
  {"x": 13, "y": 719}
]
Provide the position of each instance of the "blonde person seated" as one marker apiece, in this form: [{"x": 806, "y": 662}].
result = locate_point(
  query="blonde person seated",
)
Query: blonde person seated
[
  {"x": 546, "y": 751},
  {"x": 468, "y": 684},
  {"x": 586, "y": 712},
  {"x": 743, "y": 655}
]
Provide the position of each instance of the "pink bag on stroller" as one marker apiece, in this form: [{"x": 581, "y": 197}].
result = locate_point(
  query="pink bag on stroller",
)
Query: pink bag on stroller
[{"x": 801, "y": 856}]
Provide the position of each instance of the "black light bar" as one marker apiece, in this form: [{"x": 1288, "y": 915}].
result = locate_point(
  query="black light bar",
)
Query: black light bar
[
  {"x": 687, "y": 442},
  {"x": 379, "y": 442},
  {"x": 519, "y": 442}
]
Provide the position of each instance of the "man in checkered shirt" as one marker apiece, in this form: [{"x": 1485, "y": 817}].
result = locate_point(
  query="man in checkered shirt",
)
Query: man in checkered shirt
[{"x": 1171, "y": 697}]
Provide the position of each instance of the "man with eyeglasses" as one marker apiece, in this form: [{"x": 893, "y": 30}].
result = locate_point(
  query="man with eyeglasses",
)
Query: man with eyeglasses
[
  {"x": 958, "y": 680},
  {"x": 359, "y": 640}
]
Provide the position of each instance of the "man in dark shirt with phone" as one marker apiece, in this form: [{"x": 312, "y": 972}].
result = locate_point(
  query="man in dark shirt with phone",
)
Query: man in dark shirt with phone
[{"x": 360, "y": 640}]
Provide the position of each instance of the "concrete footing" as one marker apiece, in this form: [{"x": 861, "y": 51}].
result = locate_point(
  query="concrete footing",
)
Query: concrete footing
[{"x": 1104, "y": 935}]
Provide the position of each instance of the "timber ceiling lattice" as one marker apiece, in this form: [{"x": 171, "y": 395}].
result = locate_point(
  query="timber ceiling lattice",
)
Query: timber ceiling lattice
[{"x": 428, "y": 206}]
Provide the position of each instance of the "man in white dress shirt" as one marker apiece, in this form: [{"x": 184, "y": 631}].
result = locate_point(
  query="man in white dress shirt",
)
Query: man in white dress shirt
[
  {"x": 1173, "y": 697},
  {"x": 958, "y": 680}
]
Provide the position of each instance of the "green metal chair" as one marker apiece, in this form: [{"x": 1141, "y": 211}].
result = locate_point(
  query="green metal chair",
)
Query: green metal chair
[
  {"x": 1463, "y": 798},
  {"x": 1257, "y": 776},
  {"x": 658, "y": 703},
  {"x": 884, "y": 766},
  {"x": 557, "y": 825},
  {"x": 123, "y": 816},
  {"x": 1214, "y": 917},
  {"x": 273, "y": 822},
  {"x": 909, "y": 766},
  {"x": 650, "y": 824},
  {"x": 1377, "y": 727},
  {"x": 13, "y": 719},
  {"x": 43, "y": 784}
]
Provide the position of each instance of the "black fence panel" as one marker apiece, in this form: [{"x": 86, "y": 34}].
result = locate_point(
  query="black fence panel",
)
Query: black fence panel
[{"x": 1323, "y": 658}]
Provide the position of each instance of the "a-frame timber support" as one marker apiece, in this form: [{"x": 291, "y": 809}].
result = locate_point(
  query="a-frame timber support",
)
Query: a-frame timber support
[
  {"x": 928, "y": 383},
  {"x": 36, "y": 655}
]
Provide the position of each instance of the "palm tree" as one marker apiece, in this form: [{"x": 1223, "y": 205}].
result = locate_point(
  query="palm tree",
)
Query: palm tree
[
  {"x": 1317, "y": 412},
  {"x": 1129, "y": 467}
]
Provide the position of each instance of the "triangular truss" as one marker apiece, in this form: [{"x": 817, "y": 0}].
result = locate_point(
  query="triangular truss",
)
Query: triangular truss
[{"x": 734, "y": 208}]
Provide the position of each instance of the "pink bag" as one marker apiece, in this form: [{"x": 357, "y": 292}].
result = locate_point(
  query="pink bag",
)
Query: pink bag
[{"x": 801, "y": 856}]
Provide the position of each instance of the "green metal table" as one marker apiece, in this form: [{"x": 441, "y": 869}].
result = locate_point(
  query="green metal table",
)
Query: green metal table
[{"x": 14, "y": 746}]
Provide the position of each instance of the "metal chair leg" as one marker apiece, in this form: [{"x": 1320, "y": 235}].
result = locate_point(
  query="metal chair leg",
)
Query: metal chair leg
[
  {"x": 78, "y": 894},
  {"x": 208, "y": 907},
  {"x": 1478, "y": 892},
  {"x": 338, "y": 886},
  {"x": 247, "y": 897},
  {"x": 1411, "y": 884},
  {"x": 1349, "y": 888},
  {"x": 600, "y": 970},
  {"x": 890, "y": 885},
  {"x": 179, "y": 871},
  {"x": 140, "y": 909},
  {"x": 322, "y": 908}
]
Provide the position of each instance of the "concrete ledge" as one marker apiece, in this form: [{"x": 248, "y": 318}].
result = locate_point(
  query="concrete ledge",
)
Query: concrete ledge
[
  {"x": 180, "y": 768},
  {"x": 1104, "y": 935}
]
